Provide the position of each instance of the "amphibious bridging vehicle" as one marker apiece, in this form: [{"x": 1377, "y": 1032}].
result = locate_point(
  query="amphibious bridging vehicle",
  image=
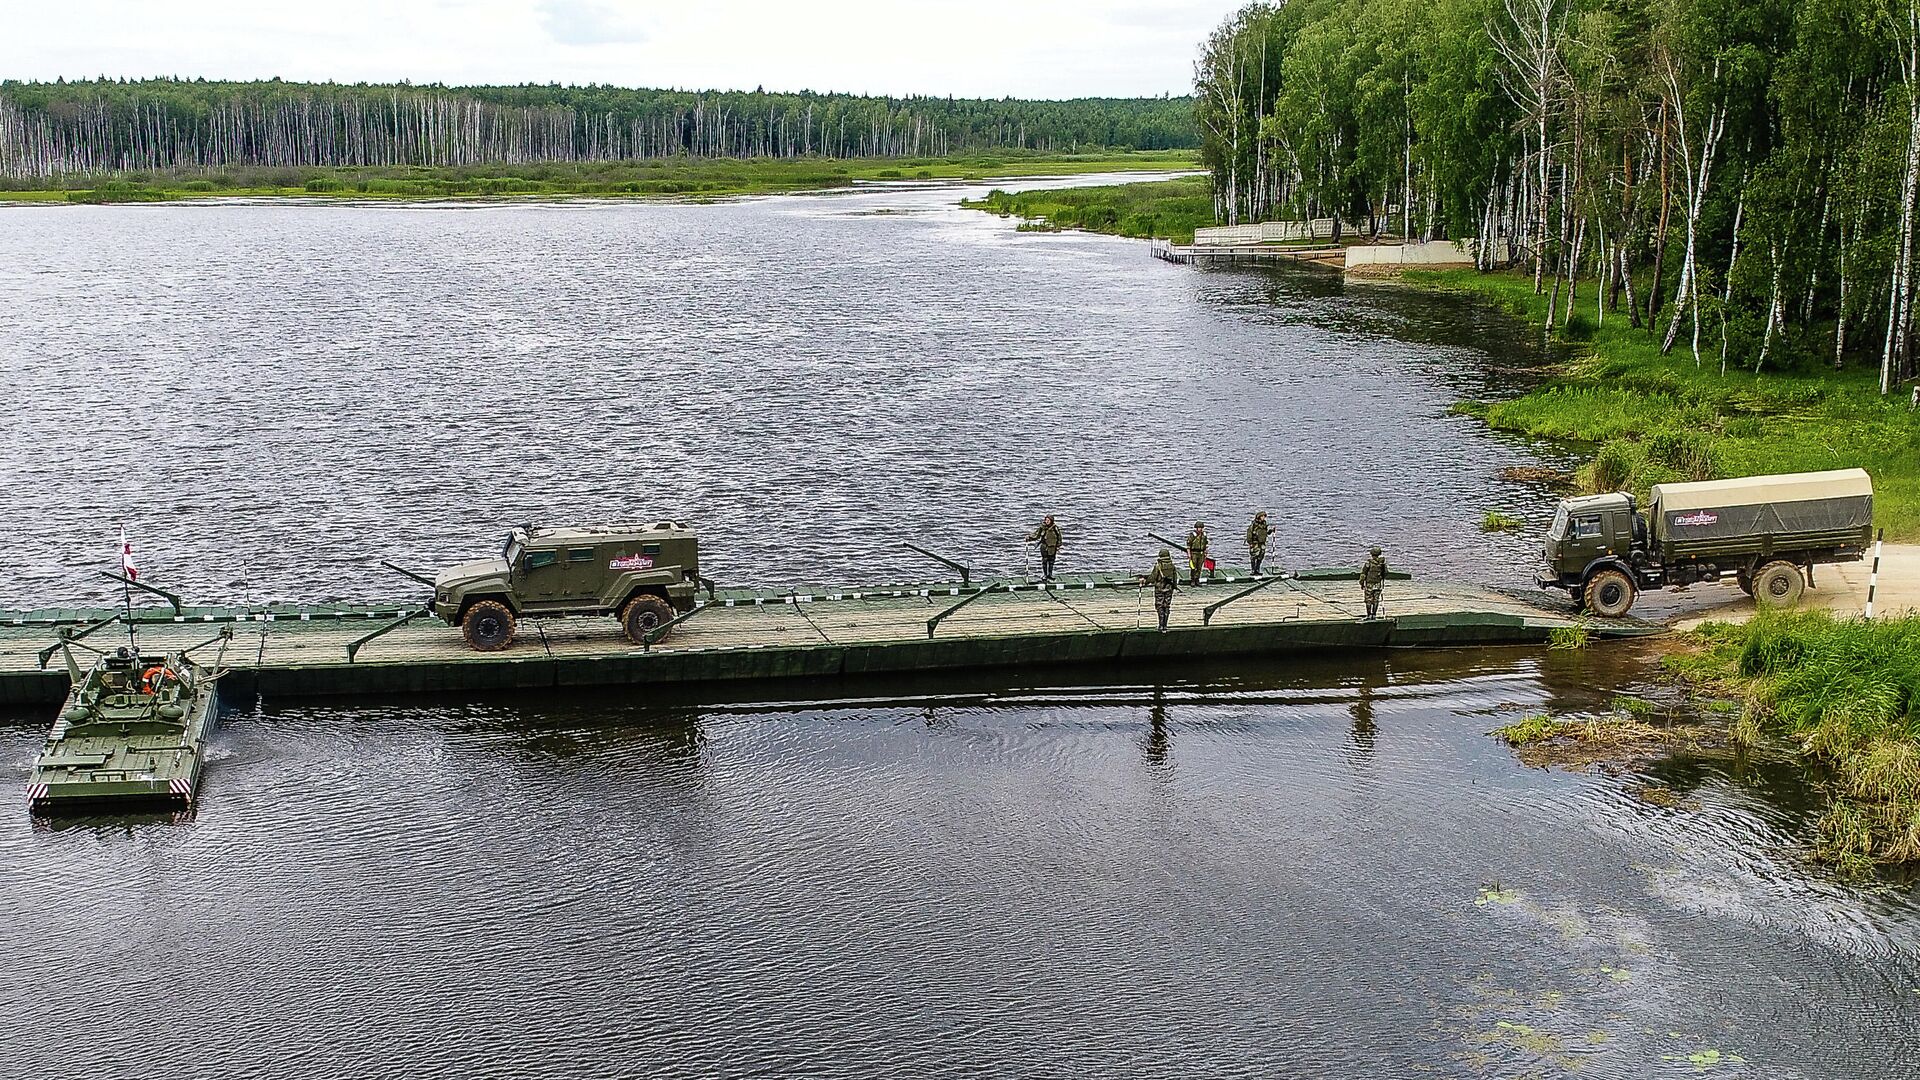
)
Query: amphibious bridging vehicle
[{"x": 133, "y": 730}]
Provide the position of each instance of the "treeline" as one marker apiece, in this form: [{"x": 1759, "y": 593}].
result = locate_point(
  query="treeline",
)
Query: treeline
[
  {"x": 47, "y": 129},
  {"x": 1737, "y": 174}
]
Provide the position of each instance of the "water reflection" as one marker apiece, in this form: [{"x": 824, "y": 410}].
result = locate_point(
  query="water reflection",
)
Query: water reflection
[
  {"x": 1159, "y": 741},
  {"x": 1362, "y": 712},
  {"x": 1051, "y": 850}
]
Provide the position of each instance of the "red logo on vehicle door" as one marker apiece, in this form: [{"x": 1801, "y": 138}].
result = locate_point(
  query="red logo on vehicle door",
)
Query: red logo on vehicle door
[{"x": 631, "y": 562}]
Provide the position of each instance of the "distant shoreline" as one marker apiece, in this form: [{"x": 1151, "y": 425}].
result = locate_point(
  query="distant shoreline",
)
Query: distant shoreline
[{"x": 681, "y": 178}]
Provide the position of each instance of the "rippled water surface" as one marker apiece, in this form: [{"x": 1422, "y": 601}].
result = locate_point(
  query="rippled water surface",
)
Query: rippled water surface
[
  {"x": 1304, "y": 867},
  {"x": 276, "y": 396}
]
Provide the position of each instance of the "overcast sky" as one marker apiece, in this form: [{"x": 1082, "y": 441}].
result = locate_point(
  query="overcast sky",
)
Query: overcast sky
[{"x": 1034, "y": 48}]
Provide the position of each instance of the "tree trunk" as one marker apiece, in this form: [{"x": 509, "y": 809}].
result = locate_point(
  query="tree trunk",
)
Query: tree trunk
[
  {"x": 1840, "y": 316},
  {"x": 1893, "y": 356},
  {"x": 1626, "y": 280},
  {"x": 1688, "y": 295},
  {"x": 1778, "y": 254},
  {"x": 1660, "y": 231},
  {"x": 1726, "y": 291}
]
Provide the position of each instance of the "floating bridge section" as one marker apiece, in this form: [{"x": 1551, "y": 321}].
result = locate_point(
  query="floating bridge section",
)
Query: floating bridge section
[{"x": 287, "y": 650}]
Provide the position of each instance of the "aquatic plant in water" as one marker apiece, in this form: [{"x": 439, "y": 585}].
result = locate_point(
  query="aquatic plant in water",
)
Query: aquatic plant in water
[
  {"x": 1532, "y": 728},
  {"x": 1573, "y": 636}
]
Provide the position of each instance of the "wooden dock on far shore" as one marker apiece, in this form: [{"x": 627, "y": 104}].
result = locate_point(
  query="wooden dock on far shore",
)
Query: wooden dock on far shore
[
  {"x": 1327, "y": 256},
  {"x": 303, "y": 650}
]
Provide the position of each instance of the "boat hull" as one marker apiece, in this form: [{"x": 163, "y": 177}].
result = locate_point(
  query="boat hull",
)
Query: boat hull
[
  {"x": 94, "y": 792},
  {"x": 81, "y": 771}
]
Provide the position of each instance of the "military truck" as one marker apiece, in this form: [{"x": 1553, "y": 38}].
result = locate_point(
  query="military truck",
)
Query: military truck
[
  {"x": 641, "y": 574},
  {"x": 1764, "y": 532}
]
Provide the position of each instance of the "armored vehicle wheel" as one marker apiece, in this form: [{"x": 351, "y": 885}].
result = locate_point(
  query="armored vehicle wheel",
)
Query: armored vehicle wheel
[
  {"x": 644, "y": 613},
  {"x": 1610, "y": 594},
  {"x": 1745, "y": 579},
  {"x": 488, "y": 626},
  {"x": 1779, "y": 584}
]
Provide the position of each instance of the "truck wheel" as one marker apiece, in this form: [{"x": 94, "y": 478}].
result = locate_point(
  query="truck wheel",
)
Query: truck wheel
[
  {"x": 1779, "y": 584},
  {"x": 1610, "y": 594},
  {"x": 488, "y": 626},
  {"x": 644, "y": 613}
]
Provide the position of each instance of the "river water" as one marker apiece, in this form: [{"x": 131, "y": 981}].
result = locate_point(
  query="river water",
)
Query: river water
[{"x": 1315, "y": 867}]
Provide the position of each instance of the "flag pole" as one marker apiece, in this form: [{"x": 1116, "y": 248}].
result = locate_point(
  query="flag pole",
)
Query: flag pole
[{"x": 126, "y": 591}]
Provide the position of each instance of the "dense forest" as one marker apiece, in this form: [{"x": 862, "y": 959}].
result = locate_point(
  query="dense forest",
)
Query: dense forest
[
  {"x": 47, "y": 129},
  {"x": 1738, "y": 176}
]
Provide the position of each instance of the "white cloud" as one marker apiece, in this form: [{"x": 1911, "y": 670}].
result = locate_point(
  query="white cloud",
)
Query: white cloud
[
  {"x": 584, "y": 22},
  {"x": 1042, "y": 48}
]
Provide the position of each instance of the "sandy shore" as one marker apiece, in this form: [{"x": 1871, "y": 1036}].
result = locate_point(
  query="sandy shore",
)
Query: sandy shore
[{"x": 1841, "y": 589}]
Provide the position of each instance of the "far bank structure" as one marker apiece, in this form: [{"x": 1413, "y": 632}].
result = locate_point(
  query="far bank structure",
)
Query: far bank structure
[{"x": 1311, "y": 243}]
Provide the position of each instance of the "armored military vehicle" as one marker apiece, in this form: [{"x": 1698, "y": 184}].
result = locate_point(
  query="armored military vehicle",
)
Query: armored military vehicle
[
  {"x": 641, "y": 574},
  {"x": 1764, "y": 532},
  {"x": 132, "y": 731}
]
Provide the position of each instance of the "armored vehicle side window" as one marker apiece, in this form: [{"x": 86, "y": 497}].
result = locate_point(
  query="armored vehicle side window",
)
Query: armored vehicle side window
[
  {"x": 538, "y": 559},
  {"x": 1586, "y": 527},
  {"x": 1558, "y": 530},
  {"x": 580, "y": 554}
]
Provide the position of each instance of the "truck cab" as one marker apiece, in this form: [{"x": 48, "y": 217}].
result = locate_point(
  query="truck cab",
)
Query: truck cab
[
  {"x": 1596, "y": 550},
  {"x": 1589, "y": 529}
]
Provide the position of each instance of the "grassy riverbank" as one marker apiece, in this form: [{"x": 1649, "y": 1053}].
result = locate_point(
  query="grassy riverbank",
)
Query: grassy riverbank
[
  {"x": 1656, "y": 418},
  {"x": 1164, "y": 208},
  {"x": 1845, "y": 695},
  {"x": 684, "y": 177}
]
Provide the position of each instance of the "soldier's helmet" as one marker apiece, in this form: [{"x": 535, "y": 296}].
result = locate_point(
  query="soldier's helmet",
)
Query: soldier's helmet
[
  {"x": 1376, "y": 551},
  {"x": 1165, "y": 553},
  {"x": 1261, "y": 514},
  {"x": 1199, "y": 524}
]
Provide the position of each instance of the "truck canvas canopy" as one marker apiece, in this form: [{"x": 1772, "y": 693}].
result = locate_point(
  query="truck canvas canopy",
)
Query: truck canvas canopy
[{"x": 1830, "y": 504}]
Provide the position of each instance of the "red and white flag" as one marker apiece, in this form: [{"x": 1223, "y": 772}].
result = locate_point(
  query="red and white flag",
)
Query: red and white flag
[{"x": 131, "y": 572}]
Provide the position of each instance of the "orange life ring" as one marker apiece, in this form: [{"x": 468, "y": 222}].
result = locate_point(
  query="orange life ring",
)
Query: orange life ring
[{"x": 154, "y": 676}]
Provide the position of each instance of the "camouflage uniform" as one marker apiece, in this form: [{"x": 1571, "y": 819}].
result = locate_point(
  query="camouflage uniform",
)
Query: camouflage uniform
[
  {"x": 1257, "y": 534},
  {"x": 1049, "y": 536},
  {"x": 1373, "y": 579},
  {"x": 1196, "y": 552},
  {"x": 1164, "y": 578}
]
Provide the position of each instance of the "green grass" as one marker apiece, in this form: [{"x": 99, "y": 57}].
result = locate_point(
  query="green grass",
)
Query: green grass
[
  {"x": 1163, "y": 208},
  {"x": 683, "y": 177},
  {"x": 1845, "y": 692},
  {"x": 1653, "y": 418},
  {"x": 1533, "y": 728},
  {"x": 1495, "y": 521},
  {"x": 1572, "y": 636}
]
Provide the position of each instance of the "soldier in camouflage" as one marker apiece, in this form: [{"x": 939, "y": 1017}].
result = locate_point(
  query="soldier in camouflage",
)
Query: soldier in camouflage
[
  {"x": 1164, "y": 580},
  {"x": 1049, "y": 536},
  {"x": 1373, "y": 580},
  {"x": 1196, "y": 552},
  {"x": 1257, "y": 534}
]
